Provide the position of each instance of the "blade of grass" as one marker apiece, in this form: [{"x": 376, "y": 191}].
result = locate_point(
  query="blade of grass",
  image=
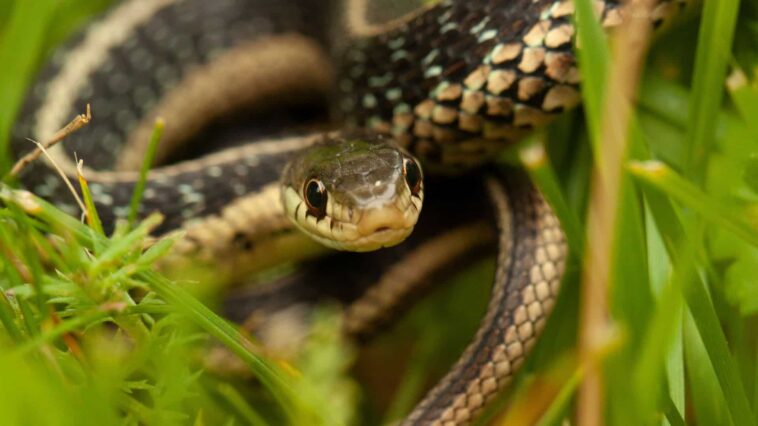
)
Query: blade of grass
[
  {"x": 630, "y": 290},
  {"x": 662, "y": 178},
  {"x": 537, "y": 164},
  {"x": 93, "y": 219},
  {"x": 707, "y": 398},
  {"x": 76, "y": 323},
  {"x": 124, "y": 245},
  {"x": 712, "y": 57},
  {"x": 30, "y": 320},
  {"x": 48, "y": 214},
  {"x": 147, "y": 163},
  {"x": 19, "y": 54},
  {"x": 659, "y": 337},
  {"x": 273, "y": 378},
  {"x": 708, "y": 325},
  {"x": 555, "y": 414},
  {"x": 675, "y": 374},
  {"x": 237, "y": 401},
  {"x": 673, "y": 413},
  {"x": 7, "y": 318},
  {"x": 706, "y": 320},
  {"x": 594, "y": 56},
  {"x": 13, "y": 271},
  {"x": 674, "y": 358},
  {"x": 543, "y": 392}
]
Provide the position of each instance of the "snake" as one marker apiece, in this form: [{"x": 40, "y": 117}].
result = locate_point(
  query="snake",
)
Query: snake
[{"x": 448, "y": 85}]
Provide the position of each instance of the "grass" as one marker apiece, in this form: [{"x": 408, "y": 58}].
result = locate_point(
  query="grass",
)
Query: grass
[{"x": 681, "y": 310}]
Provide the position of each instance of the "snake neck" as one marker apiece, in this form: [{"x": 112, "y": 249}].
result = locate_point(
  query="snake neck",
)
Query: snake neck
[{"x": 458, "y": 82}]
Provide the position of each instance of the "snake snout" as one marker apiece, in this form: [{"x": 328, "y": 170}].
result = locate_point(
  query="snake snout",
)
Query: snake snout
[{"x": 382, "y": 219}]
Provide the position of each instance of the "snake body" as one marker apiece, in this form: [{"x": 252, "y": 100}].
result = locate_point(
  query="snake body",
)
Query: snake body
[{"x": 453, "y": 83}]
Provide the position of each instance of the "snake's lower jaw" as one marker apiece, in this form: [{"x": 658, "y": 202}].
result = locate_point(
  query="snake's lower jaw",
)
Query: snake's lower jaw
[
  {"x": 380, "y": 226},
  {"x": 376, "y": 229},
  {"x": 378, "y": 239}
]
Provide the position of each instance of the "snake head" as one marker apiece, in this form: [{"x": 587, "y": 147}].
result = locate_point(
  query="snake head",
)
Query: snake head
[{"x": 355, "y": 192}]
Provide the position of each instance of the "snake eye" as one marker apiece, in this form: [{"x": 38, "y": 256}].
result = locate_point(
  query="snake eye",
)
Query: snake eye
[
  {"x": 315, "y": 196},
  {"x": 412, "y": 174}
]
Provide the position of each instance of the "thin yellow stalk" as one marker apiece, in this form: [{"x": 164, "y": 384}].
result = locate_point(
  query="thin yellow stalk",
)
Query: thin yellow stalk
[{"x": 630, "y": 42}]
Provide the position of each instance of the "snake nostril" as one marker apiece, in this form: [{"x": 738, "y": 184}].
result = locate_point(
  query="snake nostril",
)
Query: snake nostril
[{"x": 382, "y": 229}]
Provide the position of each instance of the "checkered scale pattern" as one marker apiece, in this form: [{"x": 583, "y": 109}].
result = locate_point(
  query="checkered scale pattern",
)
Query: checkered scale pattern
[{"x": 465, "y": 78}]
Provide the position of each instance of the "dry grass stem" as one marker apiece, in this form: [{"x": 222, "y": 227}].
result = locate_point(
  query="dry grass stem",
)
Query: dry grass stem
[
  {"x": 77, "y": 123},
  {"x": 630, "y": 43}
]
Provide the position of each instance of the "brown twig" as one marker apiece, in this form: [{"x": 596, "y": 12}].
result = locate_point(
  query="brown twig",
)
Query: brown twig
[
  {"x": 77, "y": 123},
  {"x": 631, "y": 40}
]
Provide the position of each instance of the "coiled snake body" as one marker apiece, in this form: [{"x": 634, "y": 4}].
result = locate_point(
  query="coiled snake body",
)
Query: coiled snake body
[{"x": 453, "y": 83}]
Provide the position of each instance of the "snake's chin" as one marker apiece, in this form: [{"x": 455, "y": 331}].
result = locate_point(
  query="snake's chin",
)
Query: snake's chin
[{"x": 374, "y": 241}]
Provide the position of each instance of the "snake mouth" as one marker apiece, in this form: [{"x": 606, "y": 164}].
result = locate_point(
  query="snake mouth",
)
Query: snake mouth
[
  {"x": 378, "y": 228},
  {"x": 381, "y": 227},
  {"x": 377, "y": 240}
]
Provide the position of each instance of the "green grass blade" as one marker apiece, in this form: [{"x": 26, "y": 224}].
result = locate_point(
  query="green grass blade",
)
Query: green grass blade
[
  {"x": 147, "y": 163},
  {"x": 47, "y": 213},
  {"x": 675, "y": 373},
  {"x": 124, "y": 245},
  {"x": 659, "y": 337},
  {"x": 712, "y": 57},
  {"x": 273, "y": 378},
  {"x": 707, "y": 398},
  {"x": 30, "y": 320},
  {"x": 93, "y": 218},
  {"x": 727, "y": 374},
  {"x": 542, "y": 174},
  {"x": 662, "y": 178},
  {"x": 708, "y": 325},
  {"x": 236, "y": 400},
  {"x": 593, "y": 58},
  {"x": 20, "y": 48},
  {"x": 673, "y": 414},
  {"x": 76, "y": 323},
  {"x": 555, "y": 414},
  {"x": 7, "y": 318}
]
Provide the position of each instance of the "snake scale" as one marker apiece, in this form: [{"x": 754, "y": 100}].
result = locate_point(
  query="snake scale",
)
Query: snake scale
[{"x": 453, "y": 83}]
